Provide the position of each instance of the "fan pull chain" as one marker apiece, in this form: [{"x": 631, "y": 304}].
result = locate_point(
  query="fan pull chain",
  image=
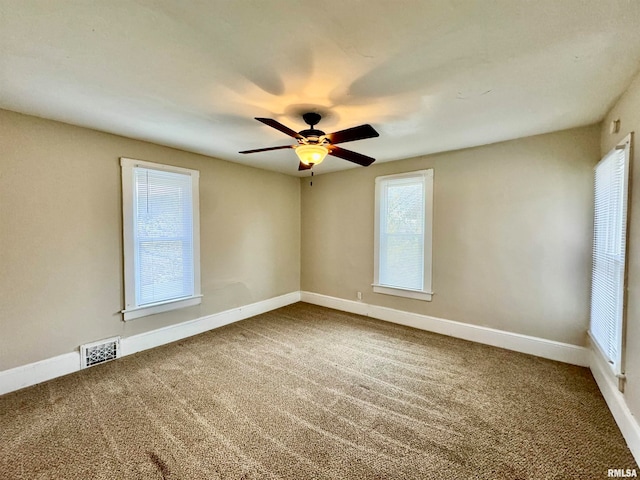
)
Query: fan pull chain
[{"x": 311, "y": 182}]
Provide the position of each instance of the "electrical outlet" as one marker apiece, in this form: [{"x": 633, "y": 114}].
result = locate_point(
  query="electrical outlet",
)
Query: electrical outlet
[{"x": 359, "y": 295}]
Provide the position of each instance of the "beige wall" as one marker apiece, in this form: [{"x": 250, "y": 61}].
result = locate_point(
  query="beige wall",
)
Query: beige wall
[
  {"x": 61, "y": 236},
  {"x": 511, "y": 238},
  {"x": 512, "y": 235},
  {"x": 627, "y": 110}
]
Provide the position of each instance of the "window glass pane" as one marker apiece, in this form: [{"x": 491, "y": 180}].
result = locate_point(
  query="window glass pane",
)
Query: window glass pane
[
  {"x": 163, "y": 235},
  {"x": 402, "y": 234}
]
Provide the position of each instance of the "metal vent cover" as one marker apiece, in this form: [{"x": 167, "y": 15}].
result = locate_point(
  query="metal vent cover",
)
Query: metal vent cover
[{"x": 99, "y": 352}]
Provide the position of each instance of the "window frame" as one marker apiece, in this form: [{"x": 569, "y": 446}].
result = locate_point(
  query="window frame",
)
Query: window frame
[
  {"x": 426, "y": 176},
  {"x": 132, "y": 310}
]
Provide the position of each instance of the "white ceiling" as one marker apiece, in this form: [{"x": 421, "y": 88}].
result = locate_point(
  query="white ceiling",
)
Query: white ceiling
[{"x": 428, "y": 75}]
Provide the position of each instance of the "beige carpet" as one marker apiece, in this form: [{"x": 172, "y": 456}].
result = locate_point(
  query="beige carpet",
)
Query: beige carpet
[{"x": 306, "y": 392}]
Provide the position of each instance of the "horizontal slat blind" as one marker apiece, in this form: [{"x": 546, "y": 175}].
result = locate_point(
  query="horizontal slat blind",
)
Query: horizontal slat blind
[
  {"x": 163, "y": 235},
  {"x": 609, "y": 246},
  {"x": 401, "y": 241}
]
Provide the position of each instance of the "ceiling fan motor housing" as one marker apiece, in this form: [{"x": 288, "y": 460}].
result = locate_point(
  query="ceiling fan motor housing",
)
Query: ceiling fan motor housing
[
  {"x": 311, "y": 134},
  {"x": 311, "y": 118}
]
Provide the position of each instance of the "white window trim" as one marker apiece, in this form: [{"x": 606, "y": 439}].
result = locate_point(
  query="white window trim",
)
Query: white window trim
[
  {"x": 131, "y": 310},
  {"x": 427, "y": 293}
]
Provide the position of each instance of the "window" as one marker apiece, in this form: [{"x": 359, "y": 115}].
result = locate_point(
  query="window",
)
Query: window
[
  {"x": 403, "y": 226},
  {"x": 609, "y": 248},
  {"x": 161, "y": 238}
]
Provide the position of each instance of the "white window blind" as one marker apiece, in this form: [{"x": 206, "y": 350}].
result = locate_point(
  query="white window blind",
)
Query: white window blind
[
  {"x": 403, "y": 234},
  {"x": 162, "y": 235},
  {"x": 609, "y": 248},
  {"x": 160, "y": 210}
]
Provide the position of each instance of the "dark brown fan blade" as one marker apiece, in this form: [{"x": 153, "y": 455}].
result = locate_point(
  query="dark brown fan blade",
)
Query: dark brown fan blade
[
  {"x": 302, "y": 166},
  {"x": 278, "y": 126},
  {"x": 267, "y": 149},
  {"x": 351, "y": 156},
  {"x": 352, "y": 134}
]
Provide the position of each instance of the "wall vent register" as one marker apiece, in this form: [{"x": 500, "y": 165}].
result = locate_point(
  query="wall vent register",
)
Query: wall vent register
[{"x": 99, "y": 352}]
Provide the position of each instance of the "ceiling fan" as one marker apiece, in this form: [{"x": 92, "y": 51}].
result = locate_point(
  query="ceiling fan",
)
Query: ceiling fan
[{"x": 314, "y": 145}]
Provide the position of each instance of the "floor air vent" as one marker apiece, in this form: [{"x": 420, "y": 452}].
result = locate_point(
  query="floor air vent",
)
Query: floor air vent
[{"x": 99, "y": 352}]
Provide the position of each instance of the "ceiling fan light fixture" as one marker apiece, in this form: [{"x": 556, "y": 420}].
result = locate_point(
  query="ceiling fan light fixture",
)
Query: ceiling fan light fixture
[
  {"x": 311, "y": 154},
  {"x": 314, "y": 145}
]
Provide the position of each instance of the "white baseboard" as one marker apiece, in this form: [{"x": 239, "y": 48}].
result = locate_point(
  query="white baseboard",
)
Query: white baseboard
[
  {"x": 38, "y": 372},
  {"x": 540, "y": 347},
  {"x": 616, "y": 402},
  {"x": 172, "y": 333}
]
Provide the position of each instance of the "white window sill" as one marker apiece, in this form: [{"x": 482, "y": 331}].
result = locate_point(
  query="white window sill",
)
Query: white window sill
[
  {"x": 143, "y": 311},
  {"x": 402, "y": 292}
]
